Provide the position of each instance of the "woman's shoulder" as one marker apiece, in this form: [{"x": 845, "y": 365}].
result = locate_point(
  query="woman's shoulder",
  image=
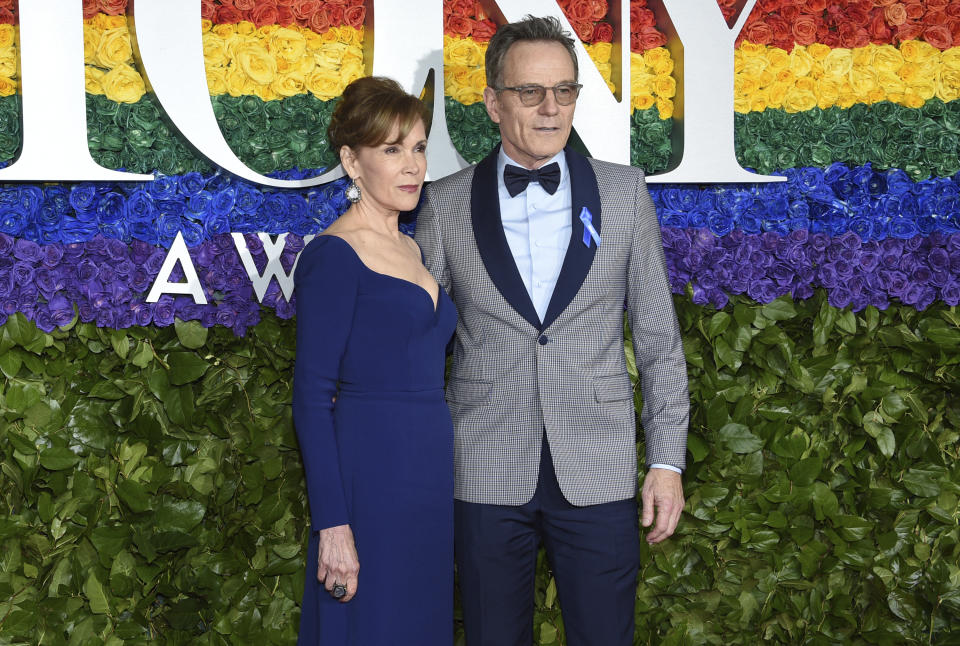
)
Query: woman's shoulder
[{"x": 328, "y": 250}]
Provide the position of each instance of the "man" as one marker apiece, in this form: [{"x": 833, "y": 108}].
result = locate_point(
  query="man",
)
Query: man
[{"x": 545, "y": 435}]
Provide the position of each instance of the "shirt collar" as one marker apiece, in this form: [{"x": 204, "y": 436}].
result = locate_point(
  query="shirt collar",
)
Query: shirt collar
[{"x": 503, "y": 159}]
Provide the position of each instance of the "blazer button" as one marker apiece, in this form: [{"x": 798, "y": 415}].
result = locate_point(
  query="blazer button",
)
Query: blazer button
[{"x": 543, "y": 340}]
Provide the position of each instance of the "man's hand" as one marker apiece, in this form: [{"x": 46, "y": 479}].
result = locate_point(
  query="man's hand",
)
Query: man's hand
[
  {"x": 337, "y": 562},
  {"x": 663, "y": 492}
]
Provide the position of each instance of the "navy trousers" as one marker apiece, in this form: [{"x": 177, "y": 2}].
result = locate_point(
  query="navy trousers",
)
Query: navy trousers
[{"x": 594, "y": 552}]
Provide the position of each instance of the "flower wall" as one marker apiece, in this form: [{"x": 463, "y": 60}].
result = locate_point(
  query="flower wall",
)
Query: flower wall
[{"x": 146, "y": 449}]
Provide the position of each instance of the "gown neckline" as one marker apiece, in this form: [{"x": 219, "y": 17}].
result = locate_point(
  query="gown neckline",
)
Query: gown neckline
[{"x": 435, "y": 306}]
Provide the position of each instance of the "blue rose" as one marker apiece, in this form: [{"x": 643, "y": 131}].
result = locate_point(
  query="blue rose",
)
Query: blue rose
[
  {"x": 146, "y": 232},
  {"x": 169, "y": 225},
  {"x": 163, "y": 187},
  {"x": 83, "y": 197},
  {"x": 192, "y": 232},
  {"x": 248, "y": 198},
  {"x": 903, "y": 228},
  {"x": 192, "y": 183},
  {"x": 198, "y": 205},
  {"x": 898, "y": 182},
  {"x": 75, "y": 230},
  {"x": 12, "y": 221},
  {"x": 140, "y": 207},
  {"x": 223, "y": 202}
]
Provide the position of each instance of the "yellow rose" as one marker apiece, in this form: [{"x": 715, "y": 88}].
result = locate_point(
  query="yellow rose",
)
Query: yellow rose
[
  {"x": 7, "y": 87},
  {"x": 91, "y": 37},
  {"x": 924, "y": 88},
  {"x": 665, "y": 108},
  {"x": 123, "y": 84},
  {"x": 237, "y": 81},
  {"x": 846, "y": 99},
  {"x": 917, "y": 51},
  {"x": 287, "y": 44},
  {"x": 891, "y": 83},
  {"x": 114, "y": 48},
  {"x": 93, "y": 79},
  {"x": 599, "y": 52},
  {"x": 304, "y": 66},
  {"x": 313, "y": 40},
  {"x": 799, "y": 100},
  {"x": 663, "y": 66},
  {"x": 477, "y": 81},
  {"x": 744, "y": 86},
  {"x": 801, "y": 62},
  {"x": 863, "y": 80},
  {"x": 862, "y": 55},
  {"x": 785, "y": 77},
  {"x": 839, "y": 62},
  {"x": 350, "y": 71},
  {"x": 216, "y": 81},
  {"x": 466, "y": 86},
  {"x": 950, "y": 59},
  {"x": 8, "y": 35},
  {"x": 214, "y": 51},
  {"x": 265, "y": 93},
  {"x": 776, "y": 93},
  {"x": 828, "y": 91},
  {"x": 758, "y": 102},
  {"x": 741, "y": 104},
  {"x": 653, "y": 56},
  {"x": 948, "y": 85},
  {"x": 461, "y": 51},
  {"x": 887, "y": 58},
  {"x": 642, "y": 101},
  {"x": 206, "y": 24},
  {"x": 8, "y": 63},
  {"x": 106, "y": 21},
  {"x": 606, "y": 71},
  {"x": 642, "y": 82},
  {"x": 752, "y": 49},
  {"x": 224, "y": 31},
  {"x": 246, "y": 28},
  {"x": 324, "y": 84},
  {"x": 265, "y": 32},
  {"x": 777, "y": 59},
  {"x": 754, "y": 67},
  {"x": 330, "y": 55},
  {"x": 876, "y": 95},
  {"x": 805, "y": 84},
  {"x": 257, "y": 63},
  {"x": 289, "y": 84},
  {"x": 818, "y": 51},
  {"x": 912, "y": 100},
  {"x": 352, "y": 54}
]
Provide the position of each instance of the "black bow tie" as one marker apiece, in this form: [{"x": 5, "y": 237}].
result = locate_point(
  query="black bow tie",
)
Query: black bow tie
[{"x": 516, "y": 178}]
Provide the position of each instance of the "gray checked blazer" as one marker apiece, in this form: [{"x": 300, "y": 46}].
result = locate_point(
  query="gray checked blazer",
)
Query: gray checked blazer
[{"x": 514, "y": 376}]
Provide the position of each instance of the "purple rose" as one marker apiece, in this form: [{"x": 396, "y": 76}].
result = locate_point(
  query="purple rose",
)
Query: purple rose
[
  {"x": 43, "y": 319},
  {"x": 155, "y": 261},
  {"x": 86, "y": 311},
  {"x": 26, "y": 250},
  {"x": 142, "y": 313},
  {"x": 123, "y": 317},
  {"x": 163, "y": 311},
  {"x": 950, "y": 293},
  {"x": 106, "y": 317},
  {"x": 6, "y": 244},
  {"x": 23, "y": 273},
  {"x": 140, "y": 281},
  {"x": 140, "y": 251}
]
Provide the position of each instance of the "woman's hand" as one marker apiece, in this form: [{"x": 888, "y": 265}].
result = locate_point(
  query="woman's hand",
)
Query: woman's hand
[{"x": 338, "y": 561}]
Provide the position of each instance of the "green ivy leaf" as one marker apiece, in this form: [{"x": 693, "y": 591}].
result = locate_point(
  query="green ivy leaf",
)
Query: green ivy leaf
[
  {"x": 191, "y": 334},
  {"x": 134, "y": 495},
  {"x": 96, "y": 595},
  {"x": 185, "y": 367},
  {"x": 739, "y": 439},
  {"x": 58, "y": 459}
]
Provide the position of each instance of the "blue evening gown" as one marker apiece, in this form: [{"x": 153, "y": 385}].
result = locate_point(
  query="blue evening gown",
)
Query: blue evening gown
[{"x": 381, "y": 458}]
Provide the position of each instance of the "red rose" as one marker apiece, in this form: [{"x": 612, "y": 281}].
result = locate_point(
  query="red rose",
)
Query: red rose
[
  {"x": 463, "y": 7},
  {"x": 285, "y": 3},
  {"x": 805, "y": 30},
  {"x": 600, "y": 9},
  {"x": 227, "y": 14},
  {"x": 355, "y": 3},
  {"x": 207, "y": 9},
  {"x": 878, "y": 29},
  {"x": 245, "y": 5},
  {"x": 759, "y": 33},
  {"x": 650, "y": 38},
  {"x": 908, "y": 31},
  {"x": 937, "y": 5},
  {"x": 113, "y": 7},
  {"x": 642, "y": 18},
  {"x": 914, "y": 11},
  {"x": 458, "y": 26},
  {"x": 831, "y": 39},
  {"x": 636, "y": 45},
  {"x": 954, "y": 26},
  {"x": 6, "y": 4},
  {"x": 483, "y": 30},
  {"x": 90, "y": 9},
  {"x": 953, "y": 9},
  {"x": 855, "y": 17},
  {"x": 781, "y": 30},
  {"x": 883, "y": 3},
  {"x": 285, "y": 16},
  {"x": 895, "y": 14},
  {"x": 320, "y": 21},
  {"x": 264, "y": 14},
  {"x": 866, "y": 6},
  {"x": 816, "y": 6},
  {"x": 769, "y": 6},
  {"x": 6, "y": 17},
  {"x": 354, "y": 16},
  {"x": 935, "y": 17},
  {"x": 602, "y": 33},
  {"x": 579, "y": 11},
  {"x": 303, "y": 9},
  {"x": 583, "y": 29},
  {"x": 790, "y": 12},
  {"x": 938, "y": 36}
]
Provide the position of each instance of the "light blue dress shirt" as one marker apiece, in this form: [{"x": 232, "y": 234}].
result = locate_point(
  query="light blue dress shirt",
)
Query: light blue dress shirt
[{"x": 538, "y": 227}]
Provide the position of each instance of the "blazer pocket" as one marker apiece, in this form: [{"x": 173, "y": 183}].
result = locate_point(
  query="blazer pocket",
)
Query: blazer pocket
[
  {"x": 612, "y": 388},
  {"x": 468, "y": 391}
]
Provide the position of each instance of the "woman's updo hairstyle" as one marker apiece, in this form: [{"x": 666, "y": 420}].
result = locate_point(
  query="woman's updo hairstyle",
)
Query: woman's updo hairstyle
[{"x": 368, "y": 110}]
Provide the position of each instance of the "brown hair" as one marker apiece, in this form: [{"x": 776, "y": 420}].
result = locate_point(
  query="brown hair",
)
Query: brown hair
[
  {"x": 368, "y": 110},
  {"x": 531, "y": 28}
]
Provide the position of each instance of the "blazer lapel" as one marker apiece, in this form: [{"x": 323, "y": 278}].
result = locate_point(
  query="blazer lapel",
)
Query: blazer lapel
[
  {"x": 579, "y": 257},
  {"x": 492, "y": 242}
]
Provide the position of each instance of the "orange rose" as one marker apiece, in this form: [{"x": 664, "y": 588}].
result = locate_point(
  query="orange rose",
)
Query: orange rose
[
  {"x": 113, "y": 7},
  {"x": 458, "y": 25},
  {"x": 354, "y": 16},
  {"x": 264, "y": 14},
  {"x": 914, "y": 11},
  {"x": 483, "y": 30},
  {"x": 895, "y": 14},
  {"x": 759, "y": 33},
  {"x": 805, "y": 30},
  {"x": 583, "y": 29},
  {"x": 938, "y": 36},
  {"x": 602, "y": 33}
]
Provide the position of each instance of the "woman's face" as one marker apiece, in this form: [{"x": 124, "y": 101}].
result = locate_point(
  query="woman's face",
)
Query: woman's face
[{"x": 390, "y": 176}]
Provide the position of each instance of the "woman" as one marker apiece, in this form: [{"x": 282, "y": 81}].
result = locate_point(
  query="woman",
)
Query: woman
[{"x": 374, "y": 429}]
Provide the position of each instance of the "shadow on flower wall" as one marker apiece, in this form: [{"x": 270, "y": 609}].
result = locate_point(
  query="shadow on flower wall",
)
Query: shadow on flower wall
[{"x": 147, "y": 456}]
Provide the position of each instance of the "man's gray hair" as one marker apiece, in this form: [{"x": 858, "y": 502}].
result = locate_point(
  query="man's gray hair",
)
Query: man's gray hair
[{"x": 531, "y": 28}]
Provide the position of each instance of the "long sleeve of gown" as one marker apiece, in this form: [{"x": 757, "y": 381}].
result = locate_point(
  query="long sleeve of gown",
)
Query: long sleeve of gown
[{"x": 326, "y": 282}]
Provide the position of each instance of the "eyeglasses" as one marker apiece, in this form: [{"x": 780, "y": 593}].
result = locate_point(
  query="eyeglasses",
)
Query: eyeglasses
[{"x": 531, "y": 95}]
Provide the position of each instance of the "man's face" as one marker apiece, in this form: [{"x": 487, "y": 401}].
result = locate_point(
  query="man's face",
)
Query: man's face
[{"x": 532, "y": 134}]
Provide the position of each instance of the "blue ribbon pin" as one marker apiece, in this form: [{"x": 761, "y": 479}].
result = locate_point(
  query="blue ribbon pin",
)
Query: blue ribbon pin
[{"x": 588, "y": 231}]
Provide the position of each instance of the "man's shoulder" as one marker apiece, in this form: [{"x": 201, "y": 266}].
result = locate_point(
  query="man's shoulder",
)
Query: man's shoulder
[
  {"x": 612, "y": 171},
  {"x": 453, "y": 182}
]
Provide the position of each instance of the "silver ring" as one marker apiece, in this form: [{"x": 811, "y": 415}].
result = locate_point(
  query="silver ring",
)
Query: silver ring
[{"x": 339, "y": 591}]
